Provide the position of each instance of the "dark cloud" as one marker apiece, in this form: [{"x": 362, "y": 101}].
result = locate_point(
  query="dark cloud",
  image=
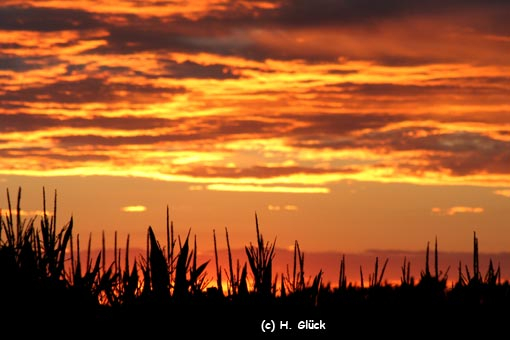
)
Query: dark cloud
[
  {"x": 119, "y": 123},
  {"x": 470, "y": 88},
  {"x": 44, "y": 19},
  {"x": 460, "y": 153},
  {"x": 90, "y": 90},
  {"x": 188, "y": 69},
  {"x": 47, "y": 154},
  {"x": 75, "y": 69},
  {"x": 229, "y": 31},
  {"x": 502, "y": 81},
  {"x": 429, "y": 139},
  {"x": 342, "y": 72},
  {"x": 340, "y": 124},
  {"x": 77, "y": 158},
  {"x": 472, "y": 162},
  {"x": 349, "y": 12},
  {"x": 319, "y": 142},
  {"x": 101, "y": 141},
  {"x": 21, "y": 152},
  {"x": 33, "y": 122},
  {"x": 504, "y": 132},
  {"x": 24, "y": 122},
  {"x": 175, "y": 35},
  {"x": 397, "y": 90},
  {"x": 399, "y": 60},
  {"x": 10, "y": 46},
  {"x": 186, "y": 129},
  {"x": 336, "y": 131},
  {"x": 189, "y": 128},
  {"x": 233, "y": 126},
  {"x": 333, "y": 13},
  {"x": 9, "y": 62}
]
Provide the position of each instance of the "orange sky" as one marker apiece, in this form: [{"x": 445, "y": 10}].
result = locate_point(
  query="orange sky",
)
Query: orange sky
[{"x": 347, "y": 126}]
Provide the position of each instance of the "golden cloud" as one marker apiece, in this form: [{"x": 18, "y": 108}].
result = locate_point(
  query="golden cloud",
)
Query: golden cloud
[{"x": 134, "y": 208}]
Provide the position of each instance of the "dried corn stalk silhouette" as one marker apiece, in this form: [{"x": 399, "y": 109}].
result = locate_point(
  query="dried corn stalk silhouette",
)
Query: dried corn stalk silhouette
[{"x": 260, "y": 259}]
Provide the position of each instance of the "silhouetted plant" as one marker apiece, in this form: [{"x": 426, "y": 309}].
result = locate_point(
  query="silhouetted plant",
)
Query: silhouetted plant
[
  {"x": 439, "y": 279},
  {"x": 198, "y": 280},
  {"x": 170, "y": 245},
  {"x": 476, "y": 277},
  {"x": 219, "y": 283},
  {"x": 236, "y": 281},
  {"x": 260, "y": 259},
  {"x": 375, "y": 278},
  {"x": 44, "y": 266},
  {"x": 158, "y": 268},
  {"x": 54, "y": 245},
  {"x": 406, "y": 279},
  {"x": 294, "y": 284},
  {"x": 125, "y": 286},
  {"x": 86, "y": 283},
  {"x": 342, "y": 278},
  {"x": 296, "y": 281},
  {"x": 493, "y": 277},
  {"x": 33, "y": 259}
]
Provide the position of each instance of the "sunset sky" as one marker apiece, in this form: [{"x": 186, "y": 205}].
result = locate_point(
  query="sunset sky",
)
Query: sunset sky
[{"x": 346, "y": 125}]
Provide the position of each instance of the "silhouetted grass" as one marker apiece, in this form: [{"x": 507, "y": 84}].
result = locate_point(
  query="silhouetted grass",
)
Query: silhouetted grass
[{"x": 44, "y": 278}]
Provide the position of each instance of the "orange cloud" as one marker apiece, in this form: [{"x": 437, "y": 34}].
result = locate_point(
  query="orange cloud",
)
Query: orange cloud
[
  {"x": 504, "y": 192},
  {"x": 296, "y": 104},
  {"x": 255, "y": 188},
  {"x": 457, "y": 210},
  {"x": 30, "y": 213},
  {"x": 287, "y": 207}
]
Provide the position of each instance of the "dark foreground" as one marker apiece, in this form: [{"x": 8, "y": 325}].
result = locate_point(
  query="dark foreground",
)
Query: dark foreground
[{"x": 236, "y": 320}]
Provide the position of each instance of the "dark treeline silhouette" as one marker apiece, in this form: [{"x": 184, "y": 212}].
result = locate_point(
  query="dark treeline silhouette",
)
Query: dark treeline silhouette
[{"x": 45, "y": 281}]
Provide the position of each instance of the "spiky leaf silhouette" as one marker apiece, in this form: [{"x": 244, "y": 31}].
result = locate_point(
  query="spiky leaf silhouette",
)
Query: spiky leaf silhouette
[
  {"x": 160, "y": 279},
  {"x": 181, "y": 269}
]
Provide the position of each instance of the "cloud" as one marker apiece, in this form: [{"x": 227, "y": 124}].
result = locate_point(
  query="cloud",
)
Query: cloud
[
  {"x": 182, "y": 130},
  {"x": 318, "y": 30},
  {"x": 326, "y": 90},
  {"x": 473, "y": 90},
  {"x": 288, "y": 207},
  {"x": 34, "y": 122},
  {"x": 287, "y": 30},
  {"x": 268, "y": 188},
  {"x": 91, "y": 90},
  {"x": 457, "y": 210},
  {"x": 134, "y": 208},
  {"x": 460, "y": 153},
  {"x": 431, "y": 139},
  {"x": 255, "y": 171},
  {"x": 340, "y": 123},
  {"x": 503, "y": 192},
  {"x": 45, "y": 19},
  {"x": 494, "y": 118},
  {"x": 30, "y": 213},
  {"x": 12, "y": 62},
  {"x": 25, "y": 122},
  {"x": 189, "y": 69}
]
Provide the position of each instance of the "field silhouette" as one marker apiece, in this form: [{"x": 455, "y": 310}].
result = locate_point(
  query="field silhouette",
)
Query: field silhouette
[{"x": 47, "y": 287}]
